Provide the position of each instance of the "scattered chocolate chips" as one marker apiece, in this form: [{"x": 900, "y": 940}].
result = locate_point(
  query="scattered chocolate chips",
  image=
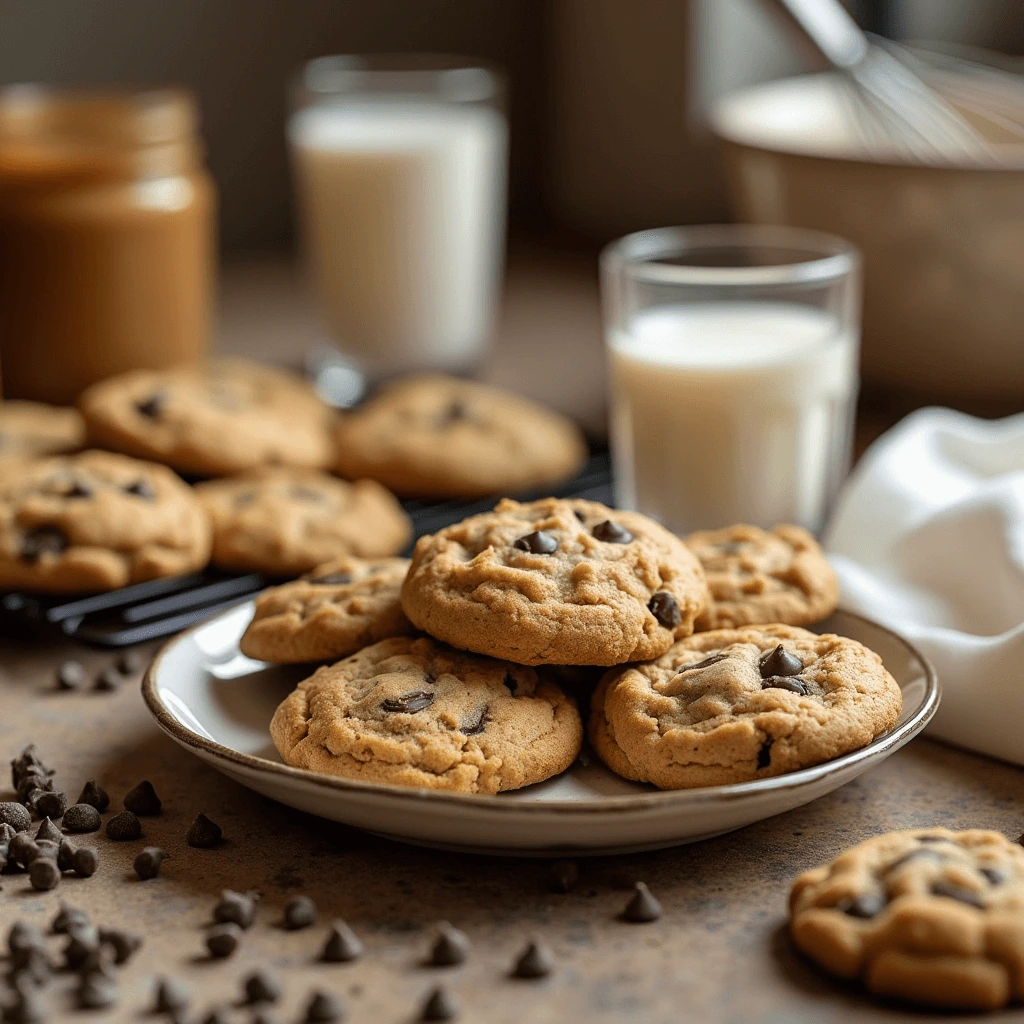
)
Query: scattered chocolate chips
[
  {"x": 66, "y": 855},
  {"x": 706, "y": 663},
  {"x": 342, "y": 945},
  {"x": 262, "y": 987},
  {"x": 409, "y": 703},
  {"x": 451, "y": 946},
  {"x": 665, "y": 608},
  {"x": 108, "y": 680},
  {"x": 147, "y": 864},
  {"x": 122, "y": 943},
  {"x": 142, "y": 800},
  {"x": 50, "y": 804},
  {"x": 48, "y": 832},
  {"x": 440, "y": 1005},
  {"x": 170, "y": 997},
  {"x": 95, "y": 796},
  {"x": 536, "y": 961},
  {"x": 85, "y": 861},
  {"x": 779, "y": 662},
  {"x": 70, "y": 675},
  {"x": 223, "y": 940},
  {"x": 956, "y": 892},
  {"x": 642, "y": 907},
  {"x": 475, "y": 722},
  {"x": 129, "y": 662},
  {"x": 27, "y": 762},
  {"x": 43, "y": 873},
  {"x": 324, "y": 1008},
  {"x": 865, "y": 906},
  {"x": 32, "y": 785},
  {"x": 15, "y": 815},
  {"x": 563, "y": 875},
  {"x": 43, "y": 540},
  {"x": 203, "y": 833},
  {"x": 81, "y": 818},
  {"x": 790, "y": 683},
  {"x": 97, "y": 991},
  {"x": 332, "y": 579},
  {"x": 151, "y": 407},
  {"x": 141, "y": 488},
  {"x": 299, "y": 912},
  {"x": 68, "y": 918},
  {"x": 764, "y": 754},
  {"x": 236, "y": 908},
  {"x": 612, "y": 533},
  {"x": 124, "y": 827},
  {"x": 537, "y": 543}
]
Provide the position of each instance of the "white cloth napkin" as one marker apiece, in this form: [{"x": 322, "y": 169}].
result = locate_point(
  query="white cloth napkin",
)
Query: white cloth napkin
[{"x": 928, "y": 538}]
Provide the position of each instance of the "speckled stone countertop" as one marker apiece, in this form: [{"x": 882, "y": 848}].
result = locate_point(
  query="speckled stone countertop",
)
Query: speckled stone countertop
[{"x": 718, "y": 954}]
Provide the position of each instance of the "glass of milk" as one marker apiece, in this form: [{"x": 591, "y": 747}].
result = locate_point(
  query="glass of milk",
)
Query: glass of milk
[
  {"x": 400, "y": 167},
  {"x": 733, "y": 365}
]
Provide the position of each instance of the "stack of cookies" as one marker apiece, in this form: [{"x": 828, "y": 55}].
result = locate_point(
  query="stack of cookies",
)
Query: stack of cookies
[{"x": 494, "y": 617}]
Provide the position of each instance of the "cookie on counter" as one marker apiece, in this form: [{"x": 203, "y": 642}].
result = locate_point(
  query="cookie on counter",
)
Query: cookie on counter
[
  {"x": 760, "y": 576},
  {"x": 927, "y": 915},
  {"x": 734, "y": 705},
  {"x": 32, "y": 429},
  {"x": 97, "y": 521},
  {"x": 436, "y": 437},
  {"x": 417, "y": 713},
  {"x": 336, "y": 610},
  {"x": 561, "y": 582},
  {"x": 223, "y": 417},
  {"x": 288, "y": 521}
]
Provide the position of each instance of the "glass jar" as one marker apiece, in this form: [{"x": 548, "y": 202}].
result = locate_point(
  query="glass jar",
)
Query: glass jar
[{"x": 107, "y": 237}]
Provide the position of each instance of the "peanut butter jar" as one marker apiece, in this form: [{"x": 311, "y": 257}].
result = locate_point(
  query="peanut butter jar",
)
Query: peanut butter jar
[{"x": 107, "y": 237}]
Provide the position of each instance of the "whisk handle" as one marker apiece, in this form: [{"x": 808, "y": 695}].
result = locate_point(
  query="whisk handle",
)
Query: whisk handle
[{"x": 826, "y": 28}]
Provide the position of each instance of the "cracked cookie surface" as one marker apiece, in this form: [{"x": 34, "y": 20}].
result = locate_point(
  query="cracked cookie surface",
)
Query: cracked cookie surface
[
  {"x": 339, "y": 608},
  {"x": 433, "y": 436},
  {"x": 418, "y": 713},
  {"x": 289, "y": 521},
  {"x": 225, "y": 416},
  {"x": 928, "y": 915},
  {"x": 97, "y": 521},
  {"x": 760, "y": 576},
  {"x": 735, "y": 705},
  {"x": 563, "y": 582},
  {"x": 32, "y": 430}
]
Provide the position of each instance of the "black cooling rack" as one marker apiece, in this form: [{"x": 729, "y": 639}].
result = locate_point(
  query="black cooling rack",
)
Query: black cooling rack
[{"x": 148, "y": 611}]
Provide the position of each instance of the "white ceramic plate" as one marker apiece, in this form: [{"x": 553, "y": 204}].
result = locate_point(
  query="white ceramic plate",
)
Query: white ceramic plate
[{"x": 218, "y": 704}]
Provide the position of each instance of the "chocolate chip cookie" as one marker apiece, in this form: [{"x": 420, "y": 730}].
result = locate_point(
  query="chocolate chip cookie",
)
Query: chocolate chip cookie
[
  {"x": 339, "y": 608},
  {"x": 560, "y": 582},
  {"x": 441, "y": 437},
  {"x": 734, "y": 705},
  {"x": 760, "y": 576},
  {"x": 32, "y": 429},
  {"x": 97, "y": 521},
  {"x": 288, "y": 521},
  {"x": 223, "y": 417},
  {"x": 928, "y": 915},
  {"x": 417, "y": 713}
]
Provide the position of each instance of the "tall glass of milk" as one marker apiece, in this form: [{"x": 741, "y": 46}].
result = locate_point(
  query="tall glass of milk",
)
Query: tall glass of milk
[
  {"x": 733, "y": 364},
  {"x": 400, "y": 173}
]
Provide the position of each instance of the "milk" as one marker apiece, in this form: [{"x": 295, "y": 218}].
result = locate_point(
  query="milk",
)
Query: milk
[
  {"x": 731, "y": 412},
  {"x": 402, "y": 207}
]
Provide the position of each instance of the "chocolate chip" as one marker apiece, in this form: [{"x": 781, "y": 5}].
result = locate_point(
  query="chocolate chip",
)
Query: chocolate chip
[
  {"x": 147, "y": 864},
  {"x": 299, "y": 912},
  {"x": 82, "y": 943},
  {"x": 95, "y": 796},
  {"x": 332, "y": 579},
  {"x": 920, "y": 853},
  {"x": 642, "y": 907},
  {"x": 69, "y": 918},
  {"x": 665, "y": 608},
  {"x": 324, "y": 1008},
  {"x": 511, "y": 683},
  {"x": 170, "y": 996},
  {"x": 729, "y": 547},
  {"x": 536, "y": 961},
  {"x": 66, "y": 855},
  {"x": 713, "y": 660},
  {"x": 579, "y": 515},
  {"x": 6, "y": 833},
  {"x": 223, "y": 940},
  {"x": 23, "y": 936},
  {"x": 123, "y": 944},
  {"x": 454, "y": 413},
  {"x": 440, "y": 1005},
  {"x": 236, "y": 908},
  {"x": 26, "y": 1008},
  {"x": 262, "y": 987},
  {"x": 932, "y": 839},
  {"x": 43, "y": 540},
  {"x": 300, "y": 493},
  {"x": 28, "y": 761},
  {"x": 562, "y": 875},
  {"x": 219, "y": 1015},
  {"x": 129, "y": 662},
  {"x": 141, "y": 488},
  {"x": 108, "y": 680},
  {"x": 866, "y": 905},
  {"x": 70, "y": 675},
  {"x": 151, "y": 407},
  {"x": 81, "y": 818},
  {"x": 955, "y": 892},
  {"x": 789, "y": 683},
  {"x": 245, "y": 499},
  {"x": 612, "y": 533},
  {"x": 475, "y": 722},
  {"x": 204, "y": 833},
  {"x": 142, "y": 800},
  {"x": 537, "y": 543},
  {"x": 409, "y": 703},
  {"x": 451, "y": 946},
  {"x": 85, "y": 861},
  {"x": 15, "y": 815},
  {"x": 342, "y": 945},
  {"x": 22, "y": 849},
  {"x": 996, "y": 876},
  {"x": 48, "y": 832},
  {"x": 51, "y": 804},
  {"x": 77, "y": 489},
  {"x": 33, "y": 965},
  {"x": 124, "y": 827},
  {"x": 779, "y": 662},
  {"x": 29, "y": 784},
  {"x": 45, "y": 849},
  {"x": 764, "y": 755},
  {"x": 43, "y": 873},
  {"x": 97, "y": 992}
]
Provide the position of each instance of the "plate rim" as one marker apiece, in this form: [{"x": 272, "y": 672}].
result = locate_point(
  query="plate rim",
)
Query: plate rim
[{"x": 661, "y": 799}]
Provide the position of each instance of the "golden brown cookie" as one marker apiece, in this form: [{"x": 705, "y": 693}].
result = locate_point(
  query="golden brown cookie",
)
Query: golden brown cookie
[
  {"x": 226, "y": 416},
  {"x": 927, "y": 915},
  {"x": 734, "y": 705},
  {"x": 339, "y": 608},
  {"x": 417, "y": 713},
  {"x": 288, "y": 521},
  {"x": 32, "y": 429},
  {"x": 560, "y": 582},
  {"x": 97, "y": 521},
  {"x": 760, "y": 576},
  {"x": 441, "y": 437}
]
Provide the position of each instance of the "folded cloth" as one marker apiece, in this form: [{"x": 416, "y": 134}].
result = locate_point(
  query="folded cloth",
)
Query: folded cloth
[{"x": 928, "y": 538}]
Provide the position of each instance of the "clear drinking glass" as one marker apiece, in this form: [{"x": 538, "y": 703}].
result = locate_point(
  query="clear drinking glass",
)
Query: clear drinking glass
[
  {"x": 733, "y": 364},
  {"x": 399, "y": 166}
]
